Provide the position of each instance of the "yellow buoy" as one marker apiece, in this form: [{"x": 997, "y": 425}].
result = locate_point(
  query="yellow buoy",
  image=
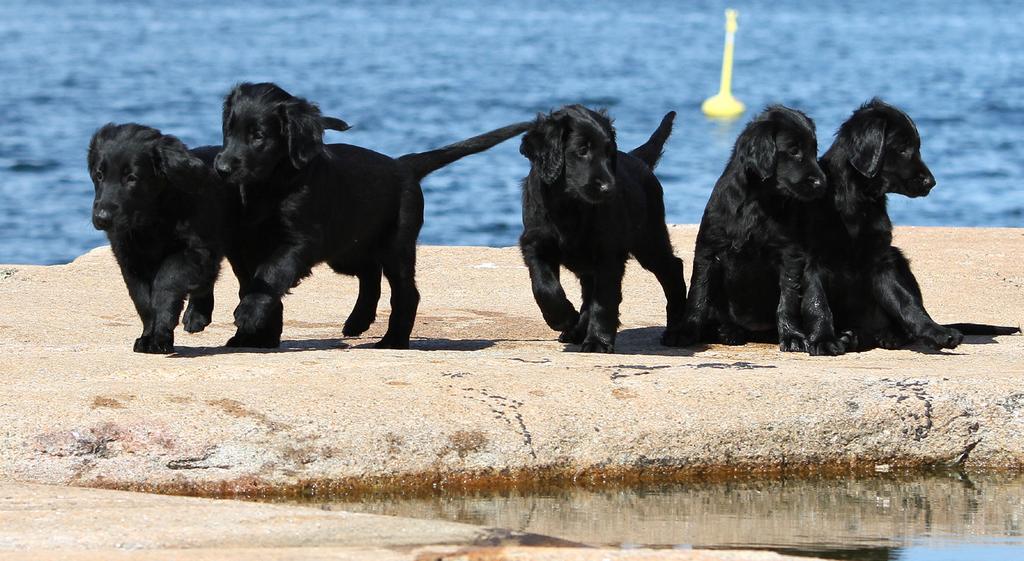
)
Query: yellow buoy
[{"x": 723, "y": 104}]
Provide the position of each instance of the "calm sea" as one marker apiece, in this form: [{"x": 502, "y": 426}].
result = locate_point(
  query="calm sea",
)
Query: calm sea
[{"x": 415, "y": 75}]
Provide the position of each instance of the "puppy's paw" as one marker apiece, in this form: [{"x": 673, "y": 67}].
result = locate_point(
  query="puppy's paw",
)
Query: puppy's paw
[
  {"x": 564, "y": 319},
  {"x": 573, "y": 336},
  {"x": 255, "y": 311},
  {"x": 162, "y": 343},
  {"x": 849, "y": 341},
  {"x": 356, "y": 326},
  {"x": 827, "y": 347},
  {"x": 155, "y": 344},
  {"x": 596, "y": 345},
  {"x": 392, "y": 342},
  {"x": 890, "y": 340},
  {"x": 253, "y": 340},
  {"x": 730, "y": 334},
  {"x": 792, "y": 343},
  {"x": 940, "y": 337},
  {"x": 194, "y": 320}
]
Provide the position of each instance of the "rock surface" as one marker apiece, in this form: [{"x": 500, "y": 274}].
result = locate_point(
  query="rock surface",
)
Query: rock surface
[{"x": 487, "y": 394}]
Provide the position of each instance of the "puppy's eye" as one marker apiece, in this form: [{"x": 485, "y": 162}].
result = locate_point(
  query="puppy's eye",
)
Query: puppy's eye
[
  {"x": 257, "y": 135},
  {"x": 98, "y": 174},
  {"x": 795, "y": 152},
  {"x": 583, "y": 151},
  {"x": 907, "y": 152},
  {"x": 131, "y": 178}
]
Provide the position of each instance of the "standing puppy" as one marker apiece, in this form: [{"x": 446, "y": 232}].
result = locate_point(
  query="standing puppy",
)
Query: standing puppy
[
  {"x": 855, "y": 273},
  {"x": 301, "y": 203},
  {"x": 160, "y": 206},
  {"x": 749, "y": 257},
  {"x": 588, "y": 206}
]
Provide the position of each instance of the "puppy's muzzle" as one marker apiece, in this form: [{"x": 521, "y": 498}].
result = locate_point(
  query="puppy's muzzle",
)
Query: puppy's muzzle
[
  {"x": 927, "y": 182},
  {"x": 817, "y": 184},
  {"x": 224, "y": 166},
  {"x": 921, "y": 186},
  {"x": 599, "y": 191},
  {"x": 811, "y": 188},
  {"x": 102, "y": 218}
]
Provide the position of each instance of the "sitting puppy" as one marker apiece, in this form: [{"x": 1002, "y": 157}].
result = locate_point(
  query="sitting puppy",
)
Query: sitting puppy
[
  {"x": 855, "y": 276},
  {"x": 301, "y": 203},
  {"x": 588, "y": 207},
  {"x": 749, "y": 257},
  {"x": 161, "y": 208}
]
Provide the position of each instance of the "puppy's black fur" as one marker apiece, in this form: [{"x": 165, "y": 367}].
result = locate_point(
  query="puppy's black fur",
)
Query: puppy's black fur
[
  {"x": 301, "y": 203},
  {"x": 588, "y": 206},
  {"x": 749, "y": 257},
  {"x": 161, "y": 207},
  {"x": 856, "y": 278}
]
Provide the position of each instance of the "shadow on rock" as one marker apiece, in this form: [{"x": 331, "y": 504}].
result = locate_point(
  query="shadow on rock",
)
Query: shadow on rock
[
  {"x": 645, "y": 341},
  {"x": 286, "y": 347},
  {"x": 442, "y": 344}
]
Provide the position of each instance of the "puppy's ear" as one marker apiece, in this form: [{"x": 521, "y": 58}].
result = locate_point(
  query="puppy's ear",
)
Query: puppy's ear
[
  {"x": 172, "y": 161},
  {"x": 543, "y": 145},
  {"x": 757, "y": 150},
  {"x": 866, "y": 144},
  {"x": 96, "y": 144},
  {"x": 229, "y": 103},
  {"x": 303, "y": 126},
  {"x": 609, "y": 129}
]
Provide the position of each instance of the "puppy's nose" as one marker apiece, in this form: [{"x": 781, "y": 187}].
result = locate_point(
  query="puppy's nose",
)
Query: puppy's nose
[
  {"x": 817, "y": 182},
  {"x": 222, "y": 166},
  {"x": 928, "y": 182},
  {"x": 102, "y": 218},
  {"x": 604, "y": 187}
]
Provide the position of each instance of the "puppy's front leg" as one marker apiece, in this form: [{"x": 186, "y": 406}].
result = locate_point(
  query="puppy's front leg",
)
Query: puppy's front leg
[
  {"x": 199, "y": 312},
  {"x": 604, "y": 307},
  {"x": 543, "y": 265},
  {"x": 258, "y": 315},
  {"x": 576, "y": 334},
  {"x": 898, "y": 293},
  {"x": 787, "y": 313},
  {"x": 139, "y": 290},
  {"x": 178, "y": 274},
  {"x": 817, "y": 317}
]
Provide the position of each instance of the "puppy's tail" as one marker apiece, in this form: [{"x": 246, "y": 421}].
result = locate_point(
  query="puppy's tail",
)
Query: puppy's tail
[
  {"x": 423, "y": 163},
  {"x": 983, "y": 329},
  {"x": 334, "y": 123},
  {"x": 650, "y": 152}
]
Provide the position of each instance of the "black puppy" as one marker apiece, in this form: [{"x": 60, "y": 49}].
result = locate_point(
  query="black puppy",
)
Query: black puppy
[
  {"x": 856, "y": 277},
  {"x": 161, "y": 208},
  {"x": 301, "y": 203},
  {"x": 588, "y": 206},
  {"x": 749, "y": 257}
]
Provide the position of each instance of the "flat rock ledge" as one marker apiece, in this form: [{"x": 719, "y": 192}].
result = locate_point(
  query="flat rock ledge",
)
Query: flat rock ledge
[{"x": 487, "y": 396}]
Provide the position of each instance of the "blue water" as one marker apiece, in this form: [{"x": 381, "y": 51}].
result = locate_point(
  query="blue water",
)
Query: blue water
[{"x": 413, "y": 75}]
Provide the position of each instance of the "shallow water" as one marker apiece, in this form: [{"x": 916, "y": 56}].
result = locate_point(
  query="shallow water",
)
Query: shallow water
[
  {"x": 927, "y": 518},
  {"x": 414, "y": 75}
]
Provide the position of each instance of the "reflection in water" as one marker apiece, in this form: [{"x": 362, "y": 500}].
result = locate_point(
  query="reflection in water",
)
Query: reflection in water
[{"x": 890, "y": 517}]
